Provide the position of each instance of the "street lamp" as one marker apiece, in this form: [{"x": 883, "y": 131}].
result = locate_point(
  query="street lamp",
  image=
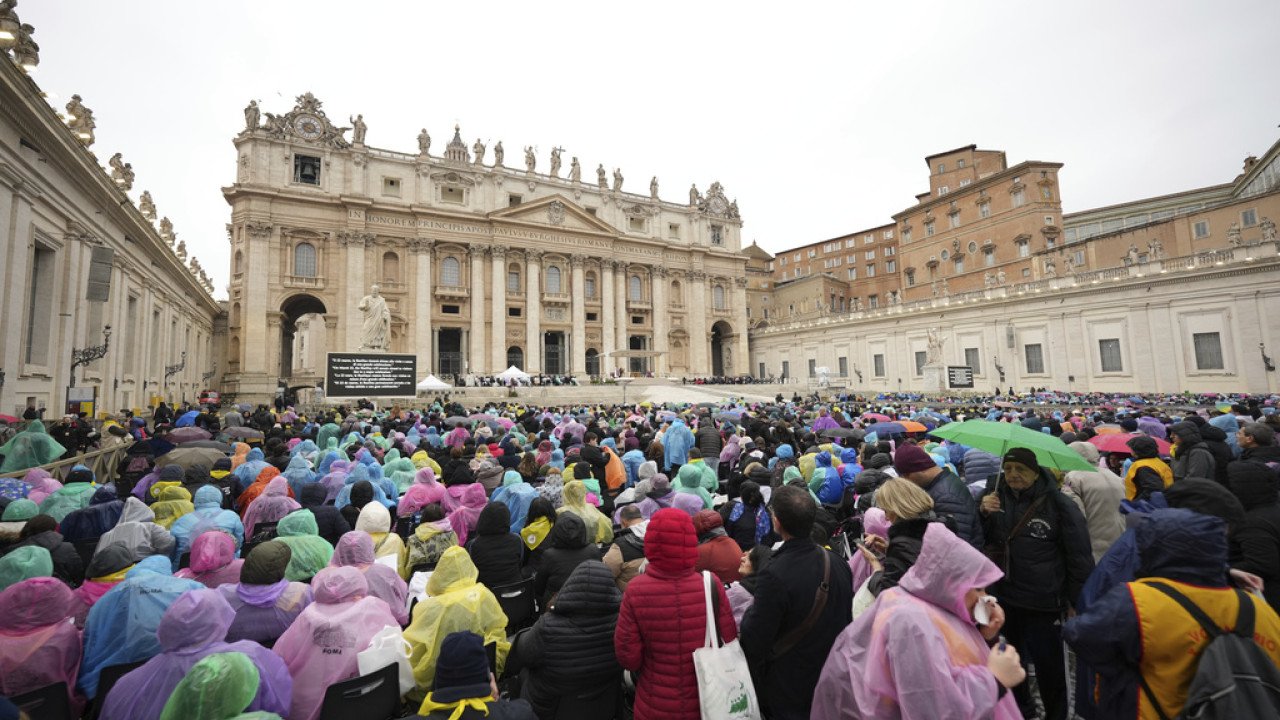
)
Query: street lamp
[
  {"x": 171, "y": 370},
  {"x": 84, "y": 356},
  {"x": 1266, "y": 361}
]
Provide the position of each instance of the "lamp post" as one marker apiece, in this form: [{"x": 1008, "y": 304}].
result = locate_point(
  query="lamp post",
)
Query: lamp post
[
  {"x": 1266, "y": 361},
  {"x": 84, "y": 356},
  {"x": 171, "y": 370}
]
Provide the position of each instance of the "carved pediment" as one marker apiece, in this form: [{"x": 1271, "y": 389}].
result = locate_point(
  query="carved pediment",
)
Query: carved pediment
[
  {"x": 306, "y": 123},
  {"x": 555, "y": 211},
  {"x": 455, "y": 179}
]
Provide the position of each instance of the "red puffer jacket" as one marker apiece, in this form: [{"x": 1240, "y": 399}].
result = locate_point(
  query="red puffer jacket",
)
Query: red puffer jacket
[{"x": 664, "y": 619}]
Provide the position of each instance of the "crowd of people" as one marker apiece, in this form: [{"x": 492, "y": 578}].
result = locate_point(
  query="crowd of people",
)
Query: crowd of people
[{"x": 530, "y": 559}]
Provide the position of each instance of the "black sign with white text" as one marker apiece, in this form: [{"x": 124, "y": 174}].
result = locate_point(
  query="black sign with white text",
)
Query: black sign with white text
[
  {"x": 356, "y": 375},
  {"x": 959, "y": 376}
]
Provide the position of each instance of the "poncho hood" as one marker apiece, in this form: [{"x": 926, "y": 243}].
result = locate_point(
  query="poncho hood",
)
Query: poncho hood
[
  {"x": 338, "y": 585},
  {"x": 197, "y": 617},
  {"x": 946, "y": 569},
  {"x": 670, "y": 544},
  {"x": 454, "y": 572}
]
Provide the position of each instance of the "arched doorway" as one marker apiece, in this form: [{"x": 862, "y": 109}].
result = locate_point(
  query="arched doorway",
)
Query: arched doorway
[
  {"x": 721, "y": 349},
  {"x": 299, "y": 350},
  {"x": 515, "y": 357}
]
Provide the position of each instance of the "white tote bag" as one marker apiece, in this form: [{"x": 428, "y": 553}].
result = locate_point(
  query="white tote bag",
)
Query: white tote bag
[
  {"x": 725, "y": 691},
  {"x": 388, "y": 646}
]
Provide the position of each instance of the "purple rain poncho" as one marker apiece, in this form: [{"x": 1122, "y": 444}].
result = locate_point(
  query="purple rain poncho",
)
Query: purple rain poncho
[
  {"x": 191, "y": 629},
  {"x": 355, "y": 549},
  {"x": 916, "y": 653},
  {"x": 213, "y": 560},
  {"x": 264, "y": 602},
  {"x": 38, "y": 647},
  {"x": 320, "y": 647},
  {"x": 274, "y": 503}
]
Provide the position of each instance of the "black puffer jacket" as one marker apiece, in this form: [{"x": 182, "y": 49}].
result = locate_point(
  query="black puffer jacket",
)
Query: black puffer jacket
[
  {"x": 329, "y": 519},
  {"x": 567, "y": 548},
  {"x": 1255, "y": 546},
  {"x": 708, "y": 440},
  {"x": 906, "y": 537},
  {"x": 951, "y": 497},
  {"x": 570, "y": 648},
  {"x": 67, "y": 565},
  {"x": 1215, "y": 439},
  {"x": 1050, "y": 558},
  {"x": 1192, "y": 458},
  {"x": 498, "y": 554}
]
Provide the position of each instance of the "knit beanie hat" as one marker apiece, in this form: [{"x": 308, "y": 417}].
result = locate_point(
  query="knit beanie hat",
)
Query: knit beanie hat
[
  {"x": 1023, "y": 457},
  {"x": 463, "y": 670},
  {"x": 911, "y": 458}
]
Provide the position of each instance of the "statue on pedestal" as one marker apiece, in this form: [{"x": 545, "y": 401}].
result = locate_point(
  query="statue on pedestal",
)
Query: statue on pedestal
[
  {"x": 653, "y": 187},
  {"x": 358, "y": 129},
  {"x": 530, "y": 160},
  {"x": 934, "y": 349},
  {"x": 601, "y": 177},
  {"x": 617, "y": 179},
  {"x": 498, "y": 154},
  {"x": 695, "y": 197},
  {"x": 166, "y": 230},
  {"x": 555, "y": 161},
  {"x": 1001, "y": 279},
  {"x": 251, "y": 116},
  {"x": 146, "y": 206},
  {"x": 1233, "y": 235},
  {"x": 946, "y": 288},
  {"x": 1050, "y": 268},
  {"x": 182, "y": 250},
  {"x": 1268, "y": 230},
  {"x": 478, "y": 149},
  {"x": 1155, "y": 249},
  {"x": 1131, "y": 255},
  {"x": 376, "y": 328},
  {"x": 424, "y": 142},
  {"x": 575, "y": 171},
  {"x": 988, "y": 280}
]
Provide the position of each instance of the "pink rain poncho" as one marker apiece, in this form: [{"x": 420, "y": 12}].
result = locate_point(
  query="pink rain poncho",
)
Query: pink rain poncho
[
  {"x": 213, "y": 560},
  {"x": 355, "y": 549},
  {"x": 424, "y": 491},
  {"x": 265, "y": 603},
  {"x": 273, "y": 504},
  {"x": 320, "y": 647},
  {"x": 875, "y": 523},
  {"x": 42, "y": 485},
  {"x": 122, "y": 625},
  {"x": 191, "y": 629},
  {"x": 38, "y": 647},
  {"x": 463, "y": 519},
  {"x": 916, "y": 653},
  {"x": 207, "y": 516},
  {"x": 138, "y": 532}
]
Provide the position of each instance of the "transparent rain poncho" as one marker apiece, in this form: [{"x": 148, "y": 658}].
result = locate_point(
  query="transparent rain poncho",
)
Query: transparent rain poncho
[
  {"x": 272, "y": 505},
  {"x": 298, "y": 474},
  {"x": 320, "y": 647},
  {"x": 72, "y": 496},
  {"x": 455, "y": 602},
  {"x": 310, "y": 552},
  {"x": 28, "y": 561},
  {"x": 599, "y": 527},
  {"x": 30, "y": 448},
  {"x": 20, "y": 510},
  {"x": 266, "y": 604},
  {"x": 121, "y": 627},
  {"x": 463, "y": 519},
  {"x": 518, "y": 495},
  {"x": 218, "y": 687},
  {"x": 38, "y": 647},
  {"x": 327, "y": 432},
  {"x": 375, "y": 520},
  {"x": 213, "y": 560},
  {"x": 424, "y": 491},
  {"x": 192, "y": 628},
  {"x": 174, "y": 502},
  {"x": 355, "y": 549},
  {"x": 207, "y": 516},
  {"x": 138, "y": 532}
]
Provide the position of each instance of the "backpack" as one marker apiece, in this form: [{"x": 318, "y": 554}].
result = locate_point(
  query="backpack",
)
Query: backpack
[{"x": 1235, "y": 678}]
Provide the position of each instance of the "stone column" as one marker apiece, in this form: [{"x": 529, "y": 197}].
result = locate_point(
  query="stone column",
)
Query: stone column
[
  {"x": 699, "y": 340},
  {"x": 16, "y": 259},
  {"x": 608, "y": 341},
  {"x": 353, "y": 268},
  {"x": 661, "y": 320},
  {"x": 477, "y": 356},
  {"x": 256, "y": 375},
  {"x": 423, "y": 253},
  {"x": 620, "y": 312},
  {"x": 578, "y": 340},
  {"x": 533, "y": 312},
  {"x": 741, "y": 350},
  {"x": 498, "y": 316}
]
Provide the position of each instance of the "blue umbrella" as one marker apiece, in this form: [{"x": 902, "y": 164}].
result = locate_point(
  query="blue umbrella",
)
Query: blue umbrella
[
  {"x": 886, "y": 428},
  {"x": 187, "y": 419}
]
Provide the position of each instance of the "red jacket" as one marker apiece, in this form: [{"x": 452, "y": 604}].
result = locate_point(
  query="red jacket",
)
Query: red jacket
[
  {"x": 721, "y": 554},
  {"x": 664, "y": 619}
]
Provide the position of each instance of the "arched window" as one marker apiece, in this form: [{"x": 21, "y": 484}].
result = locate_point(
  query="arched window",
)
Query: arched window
[
  {"x": 391, "y": 268},
  {"x": 304, "y": 260},
  {"x": 239, "y": 263},
  {"x": 553, "y": 279},
  {"x": 450, "y": 272},
  {"x": 234, "y": 352},
  {"x": 636, "y": 290},
  {"x": 717, "y": 297},
  {"x": 515, "y": 357},
  {"x": 235, "y": 315},
  {"x": 676, "y": 298}
]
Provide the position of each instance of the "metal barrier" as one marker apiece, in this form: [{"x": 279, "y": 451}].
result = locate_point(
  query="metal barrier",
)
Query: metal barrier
[{"x": 102, "y": 463}]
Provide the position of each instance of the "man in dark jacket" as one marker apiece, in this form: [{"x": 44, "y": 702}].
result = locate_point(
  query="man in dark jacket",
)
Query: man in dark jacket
[
  {"x": 329, "y": 519},
  {"x": 708, "y": 440},
  {"x": 1215, "y": 439},
  {"x": 567, "y": 547},
  {"x": 785, "y": 668},
  {"x": 1191, "y": 459},
  {"x": 1044, "y": 541},
  {"x": 1257, "y": 442},
  {"x": 42, "y": 531},
  {"x": 1255, "y": 544},
  {"x": 950, "y": 495},
  {"x": 625, "y": 556},
  {"x": 592, "y": 455}
]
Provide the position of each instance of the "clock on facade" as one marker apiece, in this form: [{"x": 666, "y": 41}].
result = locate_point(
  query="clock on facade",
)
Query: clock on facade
[
  {"x": 308, "y": 126},
  {"x": 717, "y": 205}
]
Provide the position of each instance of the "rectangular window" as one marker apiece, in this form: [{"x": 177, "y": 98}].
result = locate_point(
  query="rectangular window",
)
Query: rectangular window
[
  {"x": 852, "y": 273},
  {"x": 921, "y": 356},
  {"x": 954, "y": 219},
  {"x": 851, "y": 242},
  {"x": 513, "y": 282},
  {"x": 451, "y": 309},
  {"x": 984, "y": 210},
  {"x": 871, "y": 270},
  {"x": 989, "y": 257},
  {"x": 592, "y": 211},
  {"x": 637, "y": 319},
  {"x": 1249, "y": 218},
  {"x": 40, "y": 302},
  {"x": 868, "y": 239},
  {"x": 942, "y": 167},
  {"x": 813, "y": 368},
  {"x": 593, "y": 317},
  {"x": 762, "y": 373},
  {"x": 873, "y": 301},
  {"x": 306, "y": 169},
  {"x": 786, "y": 369},
  {"x": 1024, "y": 250},
  {"x": 910, "y": 277},
  {"x": 1109, "y": 351},
  {"x": 456, "y": 196},
  {"x": 391, "y": 186},
  {"x": 965, "y": 182},
  {"x": 959, "y": 265},
  {"x": 513, "y": 312},
  {"x": 1208, "y": 347},
  {"x": 844, "y": 366},
  {"x": 717, "y": 235},
  {"x": 928, "y": 229},
  {"x": 943, "y": 189},
  {"x": 887, "y": 234},
  {"x": 1019, "y": 198},
  {"x": 973, "y": 360},
  {"x": 960, "y": 164},
  {"x": 673, "y": 231},
  {"x": 589, "y": 287},
  {"x": 1079, "y": 258},
  {"x": 635, "y": 224},
  {"x": 513, "y": 200},
  {"x": 1202, "y": 229},
  {"x": 877, "y": 362},
  {"x": 869, "y": 255},
  {"x": 889, "y": 251},
  {"x": 906, "y": 235},
  {"x": 1035, "y": 358},
  {"x": 812, "y": 254},
  {"x": 891, "y": 266}
]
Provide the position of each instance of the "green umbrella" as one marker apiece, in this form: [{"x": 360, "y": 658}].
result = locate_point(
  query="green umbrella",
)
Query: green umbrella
[{"x": 998, "y": 437}]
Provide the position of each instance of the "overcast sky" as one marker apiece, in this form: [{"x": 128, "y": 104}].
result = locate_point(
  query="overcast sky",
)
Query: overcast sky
[{"x": 815, "y": 116}]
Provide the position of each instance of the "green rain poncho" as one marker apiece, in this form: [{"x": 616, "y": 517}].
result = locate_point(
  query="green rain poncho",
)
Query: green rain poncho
[
  {"x": 29, "y": 561},
  {"x": 311, "y": 552},
  {"x": 30, "y": 448},
  {"x": 74, "y": 496},
  {"x": 218, "y": 687},
  {"x": 19, "y": 510},
  {"x": 328, "y": 431},
  {"x": 689, "y": 480},
  {"x": 793, "y": 473}
]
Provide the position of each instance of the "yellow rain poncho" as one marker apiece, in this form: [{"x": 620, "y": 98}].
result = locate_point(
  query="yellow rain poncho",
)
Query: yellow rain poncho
[
  {"x": 174, "y": 503},
  {"x": 599, "y": 527},
  {"x": 455, "y": 602}
]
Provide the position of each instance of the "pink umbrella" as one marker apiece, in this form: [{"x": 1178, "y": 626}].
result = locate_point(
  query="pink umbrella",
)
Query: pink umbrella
[{"x": 876, "y": 416}]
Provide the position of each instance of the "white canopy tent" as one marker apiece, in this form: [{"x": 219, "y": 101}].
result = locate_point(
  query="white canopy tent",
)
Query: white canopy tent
[
  {"x": 513, "y": 373},
  {"x": 431, "y": 382}
]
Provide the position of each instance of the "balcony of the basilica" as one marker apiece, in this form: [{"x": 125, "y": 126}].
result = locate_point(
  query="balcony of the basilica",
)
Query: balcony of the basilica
[
  {"x": 304, "y": 282},
  {"x": 638, "y": 305},
  {"x": 452, "y": 291},
  {"x": 556, "y": 298}
]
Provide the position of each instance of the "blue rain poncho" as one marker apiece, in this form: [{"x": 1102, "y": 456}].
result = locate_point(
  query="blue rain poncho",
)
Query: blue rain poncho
[
  {"x": 676, "y": 442},
  {"x": 121, "y": 627},
  {"x": 254, "y": 463},
  {"x": 298, "y": 474},
  {"x": 361, "y": 472},
  {"x": 825, "y": 482},
  {"x": 518, "y": 495},
  {"x": 208, "y": 515}
]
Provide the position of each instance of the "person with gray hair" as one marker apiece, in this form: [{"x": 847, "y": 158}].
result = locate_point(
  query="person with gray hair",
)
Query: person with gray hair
[{"x": 1257, "y": 442}]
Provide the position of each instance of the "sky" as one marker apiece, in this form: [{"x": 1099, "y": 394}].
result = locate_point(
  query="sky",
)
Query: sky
[{"x": 816, "y": 117}]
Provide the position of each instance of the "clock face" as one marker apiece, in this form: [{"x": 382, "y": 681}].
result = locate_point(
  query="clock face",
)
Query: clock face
[
  {"x": 308, "y": 127},
  {"x": 717, "y": 205}
]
